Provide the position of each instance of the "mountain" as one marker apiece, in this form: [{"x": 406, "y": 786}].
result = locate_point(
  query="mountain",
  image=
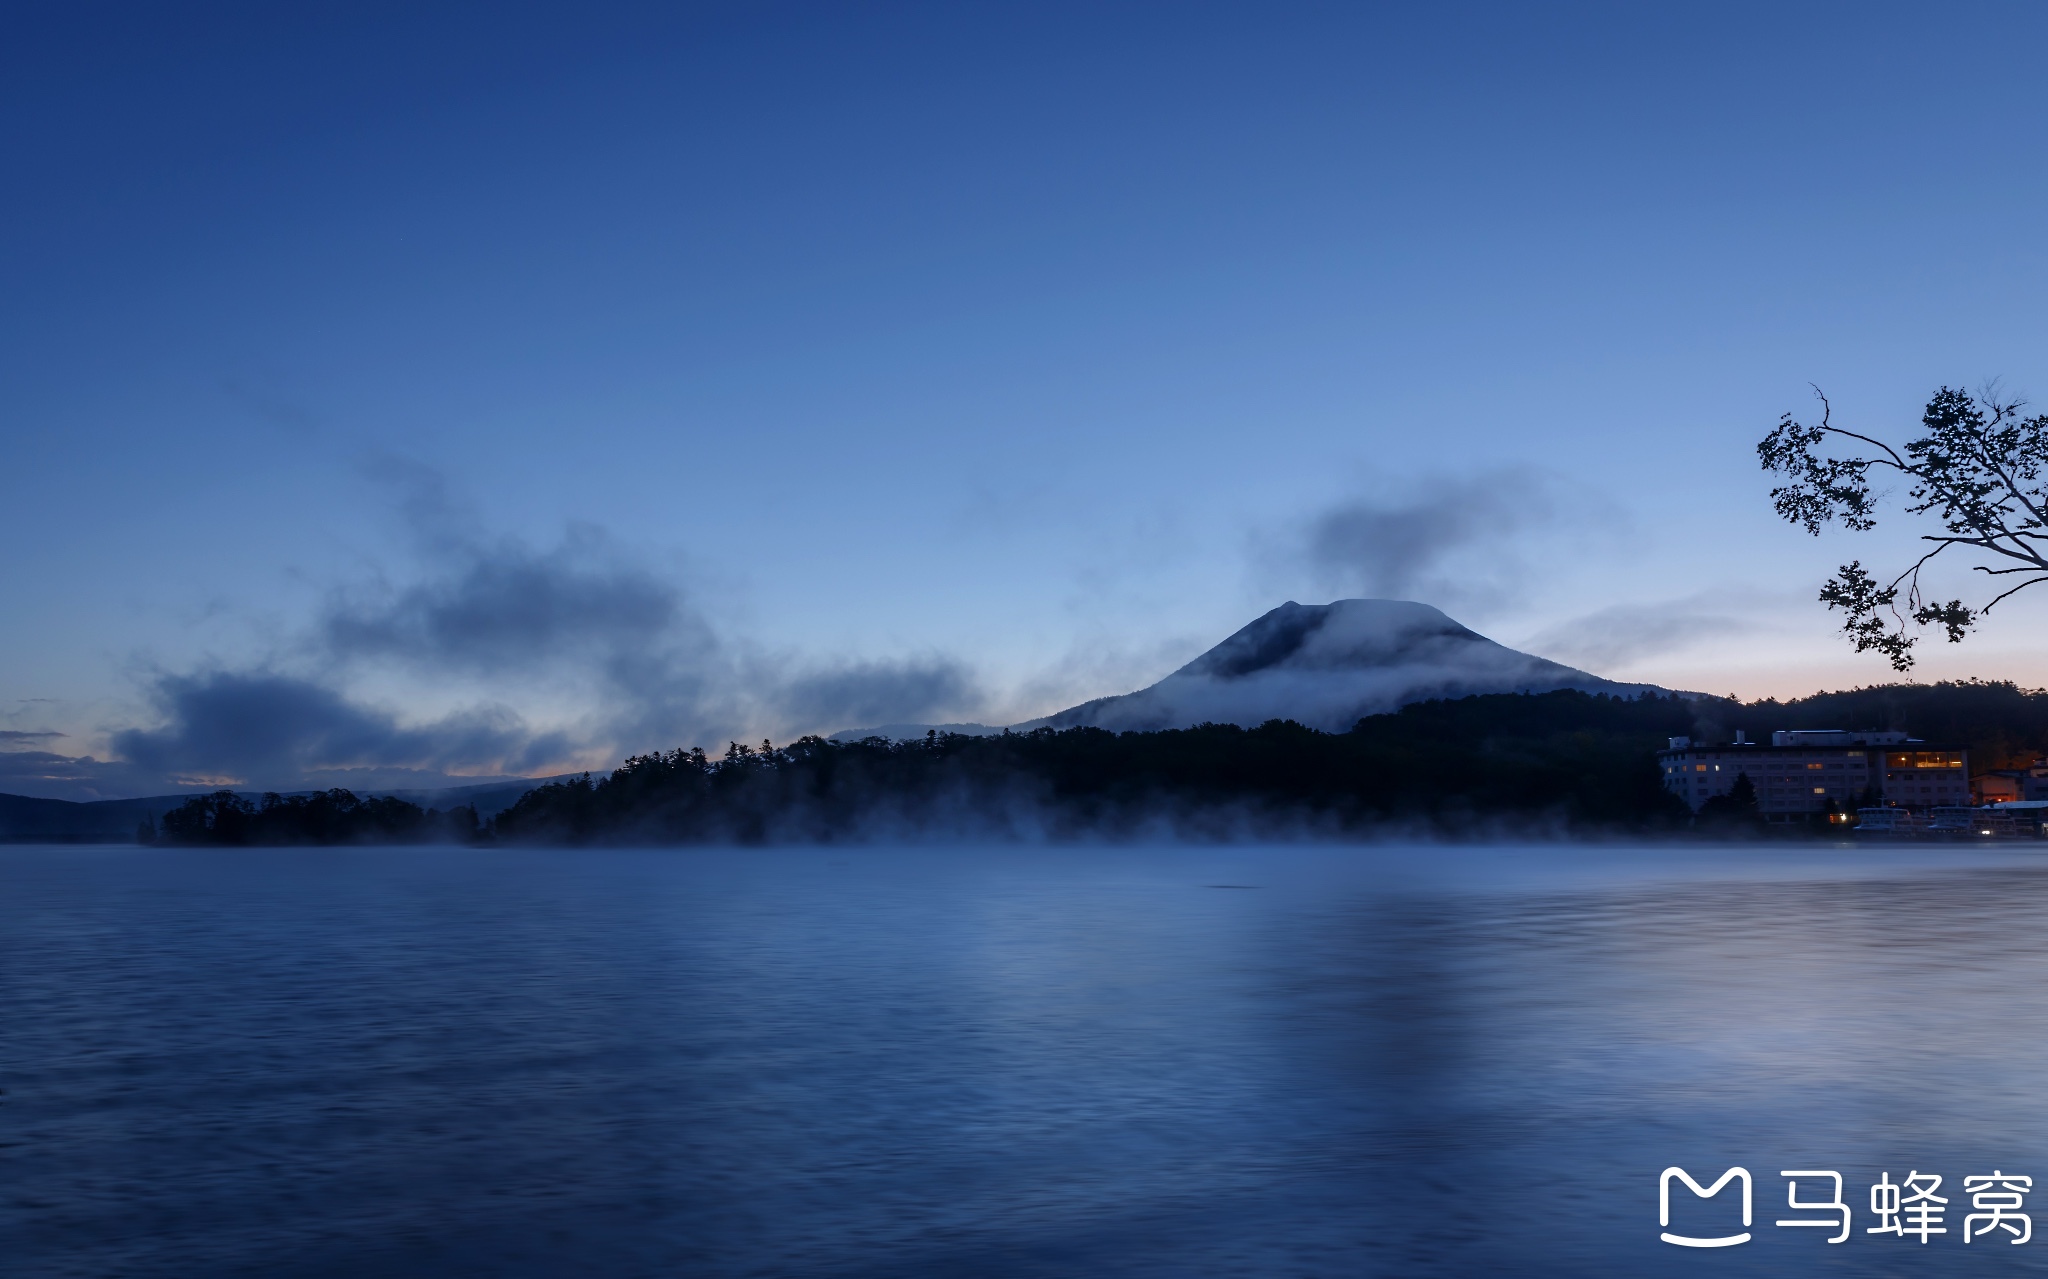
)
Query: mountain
[{"x": 1325, "y": 666}]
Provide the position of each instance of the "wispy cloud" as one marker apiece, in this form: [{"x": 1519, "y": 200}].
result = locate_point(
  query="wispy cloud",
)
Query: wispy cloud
[
  {"x": 495, "y": 618},
  {"x": 585, "y": 613},
  {"x": 863, "y": 694},
  {"x": 76, "y": 777},
  {"x": 504, "y": 607},
  {"x": 1623, "y": 635},
  {"x": 266, "y": 729},
  {"x": 1448, "y": 539}
]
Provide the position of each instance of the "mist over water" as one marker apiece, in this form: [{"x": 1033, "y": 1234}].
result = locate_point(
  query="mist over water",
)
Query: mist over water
[{"x": 1021, "y": 1061}]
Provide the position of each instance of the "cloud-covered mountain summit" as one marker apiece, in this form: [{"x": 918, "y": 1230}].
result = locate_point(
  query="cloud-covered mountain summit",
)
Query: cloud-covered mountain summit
[{"x": 1326, "y": 666}]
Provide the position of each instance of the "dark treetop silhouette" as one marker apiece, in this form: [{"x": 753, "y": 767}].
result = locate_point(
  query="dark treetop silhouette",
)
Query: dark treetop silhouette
[
  {"x": 1978, "y": 471},
  {"x": 324, "y": 817}
]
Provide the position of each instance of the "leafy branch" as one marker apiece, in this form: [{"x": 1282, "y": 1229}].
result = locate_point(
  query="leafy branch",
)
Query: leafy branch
[{"x": 1977, "y": 472}]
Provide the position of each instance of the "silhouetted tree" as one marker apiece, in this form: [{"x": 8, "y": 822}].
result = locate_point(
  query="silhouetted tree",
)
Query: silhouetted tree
[
  {"x": 220, "y": 818},
  {"x": 1978, "y": 471},
  {"x": 1736, "y": 812}
]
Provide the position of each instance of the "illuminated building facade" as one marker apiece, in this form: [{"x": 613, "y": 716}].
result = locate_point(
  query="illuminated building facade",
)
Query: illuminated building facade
[{"x": 1805, "y": 773}]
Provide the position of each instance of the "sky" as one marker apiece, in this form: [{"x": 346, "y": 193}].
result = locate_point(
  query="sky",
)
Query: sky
[{"x": 398, "y": 395}]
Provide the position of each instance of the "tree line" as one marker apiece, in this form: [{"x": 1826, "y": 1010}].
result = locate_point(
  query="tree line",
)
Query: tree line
[
  {"x": 1568, "y": 762},
  {"x": 325, "y": 817},
  {"x": 2001, "y": 724}
]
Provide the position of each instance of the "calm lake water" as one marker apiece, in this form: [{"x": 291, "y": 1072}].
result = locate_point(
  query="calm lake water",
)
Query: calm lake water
[{"x": 1101, "y": 1062}]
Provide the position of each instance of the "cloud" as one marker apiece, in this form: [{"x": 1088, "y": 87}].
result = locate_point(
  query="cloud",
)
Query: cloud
[
  {"x": 261, "y": 729},
  {"x": 584, "y": 622},
  {"x": 1624, "y": 634},
  {"x": 505, "y": 608},
  {"x": 1441, "y": 539},
  {"x": 81, "y": 777},
  {"x": 864, "y": 694},
  {"x": 583, "y": 614},
  {"x": 586, "y": 618},
  {"x": 9, "y": 736},
  {"x": 655, "y": 669}
]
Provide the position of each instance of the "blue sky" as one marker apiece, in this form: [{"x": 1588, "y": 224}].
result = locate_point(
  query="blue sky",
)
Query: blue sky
[{"x": 811, "y": 363}]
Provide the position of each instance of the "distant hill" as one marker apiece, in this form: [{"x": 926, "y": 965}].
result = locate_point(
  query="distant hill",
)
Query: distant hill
[{"x": 27, "y": 820}]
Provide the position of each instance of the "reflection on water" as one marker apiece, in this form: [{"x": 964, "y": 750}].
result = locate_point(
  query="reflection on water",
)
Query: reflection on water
[{"x": 1021, "y": 1062}]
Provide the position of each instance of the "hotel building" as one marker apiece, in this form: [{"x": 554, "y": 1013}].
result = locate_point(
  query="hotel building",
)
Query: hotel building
[{"x": 1803, "y": 771}]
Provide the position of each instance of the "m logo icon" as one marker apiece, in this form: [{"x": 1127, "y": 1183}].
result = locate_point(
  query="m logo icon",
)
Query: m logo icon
[{"x": 1704, "y": 1192}]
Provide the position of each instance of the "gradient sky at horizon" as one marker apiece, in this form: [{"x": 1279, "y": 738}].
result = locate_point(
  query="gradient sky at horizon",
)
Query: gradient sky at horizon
[{"x": 834, "y": 361}]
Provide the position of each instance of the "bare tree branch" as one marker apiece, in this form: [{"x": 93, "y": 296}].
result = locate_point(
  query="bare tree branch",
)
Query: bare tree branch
[{"x": 2014, "y": 591}]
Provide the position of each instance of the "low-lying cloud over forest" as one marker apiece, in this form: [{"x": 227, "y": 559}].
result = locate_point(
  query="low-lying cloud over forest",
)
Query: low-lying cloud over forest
[{"x": 584, "y": 620}]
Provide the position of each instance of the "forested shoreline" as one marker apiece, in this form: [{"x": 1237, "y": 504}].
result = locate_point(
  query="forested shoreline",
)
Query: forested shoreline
[
  {"x": 1571, "y": 760},
  {"x": 1565, "y": 763}
]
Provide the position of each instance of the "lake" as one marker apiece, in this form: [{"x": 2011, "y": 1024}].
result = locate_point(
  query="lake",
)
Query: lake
[{"x": 870, "y": 1061}]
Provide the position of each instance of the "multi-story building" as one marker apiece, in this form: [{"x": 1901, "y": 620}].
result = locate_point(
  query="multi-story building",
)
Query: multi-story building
[
  {"x": 2005, "y": 784},
  {"x": 1804, "y": 773}
]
